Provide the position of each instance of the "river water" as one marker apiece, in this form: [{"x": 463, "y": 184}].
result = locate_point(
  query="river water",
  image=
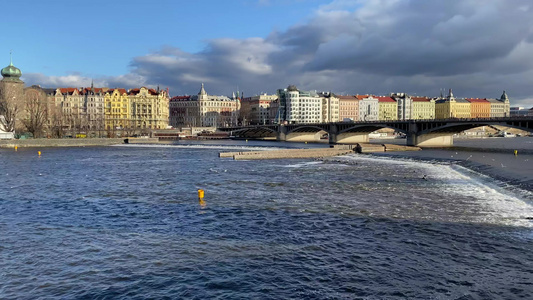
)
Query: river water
[{"x": 125, "y": 222}]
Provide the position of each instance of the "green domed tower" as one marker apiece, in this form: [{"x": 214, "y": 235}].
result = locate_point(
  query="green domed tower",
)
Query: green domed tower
[
  {"x": 11, "y": 97},
  {"x": 11, "y": 73}
]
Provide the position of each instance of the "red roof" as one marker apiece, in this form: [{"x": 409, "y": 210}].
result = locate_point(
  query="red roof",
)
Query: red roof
[
  {"x": 120, "y": 91},
  {"x": 134, "y": 91},
  {"x": 385, "y": 99},
  {"x": 420, "y": 99},
  {"x": 67, "y": 90},
  {"x": 96, "y": 90}
]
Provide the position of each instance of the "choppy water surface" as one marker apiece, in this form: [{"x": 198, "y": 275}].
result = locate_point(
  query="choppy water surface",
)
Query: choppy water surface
[{"x": 126, "y": 222}]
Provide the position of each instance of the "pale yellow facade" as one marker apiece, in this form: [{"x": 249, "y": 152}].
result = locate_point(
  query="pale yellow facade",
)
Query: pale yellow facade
[
  {"x": 149, "y": 108},
  {"x": 388, "y": 109},
  {"x": 423, "y": 109}
]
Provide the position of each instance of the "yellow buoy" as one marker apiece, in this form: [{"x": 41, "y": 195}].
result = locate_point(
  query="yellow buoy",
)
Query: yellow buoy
[
  {"x": 39, "y": 152},
  {"x": 16, "y": 148},
  {"x": 516, "y": 153},
  {"x": 201, "y": 198}
]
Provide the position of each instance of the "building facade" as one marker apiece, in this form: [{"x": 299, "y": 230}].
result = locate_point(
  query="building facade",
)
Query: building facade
[
  {"x": 423, "y": 108},
  {"x": 500, "y": 108},
  {"x": 203, "y": 110},
  {"x": 404, "y": 104},
  {"x": 451, "y": 107},
  {"x": 368, "y": 108},
  {"x": 330, "y": 107},
  {"x": 117, "y": 112},
  {"x": 94, "y": 101},
  {"x": 255, "y": 110},
  {"x": 297, "y": 106},
  {"x": 388, "y": 108},
  {"x": 479, "y": 108},
  {"x": 348, "y": 108},
  {"x": 149, "y": 108}
]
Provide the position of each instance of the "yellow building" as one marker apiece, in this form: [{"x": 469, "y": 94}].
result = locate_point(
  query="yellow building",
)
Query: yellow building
[
  {"x": 452, "y": 108},
  {"x": 117, "y": 110},
  {"x": 388, "y": 108},
  {"x": 149, "y": 108},
  {"x": 423, "y": 108}
]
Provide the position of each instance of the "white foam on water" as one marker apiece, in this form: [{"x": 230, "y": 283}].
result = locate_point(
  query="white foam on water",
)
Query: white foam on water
[
  {"x": 303, "y": 164},
  {"x": 496, "y": 204}
]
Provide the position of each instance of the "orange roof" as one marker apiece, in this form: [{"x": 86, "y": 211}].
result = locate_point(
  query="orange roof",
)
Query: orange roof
[
  {"x": 134, "y": 91},
  {"x": 385, "y": 99},
  {"x": 361, "y": 97},
  {"x": 471, "y": 100},
  {"x": 67, "y": 90}
]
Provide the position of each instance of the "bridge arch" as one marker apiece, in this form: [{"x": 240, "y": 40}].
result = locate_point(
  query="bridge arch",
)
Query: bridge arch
[
  {"x": 358, "y": 133},
  {"x": 305, "y": 133},
  {"x": 255, "y": 132}
]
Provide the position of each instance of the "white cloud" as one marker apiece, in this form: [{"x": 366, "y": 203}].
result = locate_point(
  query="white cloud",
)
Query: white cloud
[{"x": 477, "y": 47}]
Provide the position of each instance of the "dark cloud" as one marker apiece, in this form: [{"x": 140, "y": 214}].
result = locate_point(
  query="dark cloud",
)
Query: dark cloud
[{"x": 477, "y": 47}]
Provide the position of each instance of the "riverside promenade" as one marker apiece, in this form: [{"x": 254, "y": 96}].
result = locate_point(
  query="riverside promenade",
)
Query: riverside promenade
[{"x": 33, "y": 143}]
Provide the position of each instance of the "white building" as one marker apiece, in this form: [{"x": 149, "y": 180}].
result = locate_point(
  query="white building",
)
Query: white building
[
  {"x": 405, "y": 105},
  {"x": 203, "y": 110},
  {"x": 299, "y": 106},
  {"x": 368, "y": 108}
]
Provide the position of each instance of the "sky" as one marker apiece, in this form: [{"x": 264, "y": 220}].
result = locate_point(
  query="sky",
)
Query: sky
[{"x": 476, "y": 47}]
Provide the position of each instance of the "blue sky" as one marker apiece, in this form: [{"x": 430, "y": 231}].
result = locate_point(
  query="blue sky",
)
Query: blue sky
[
  {"x": 99, "y": 37},
  {"x": 477, "y": 47}
]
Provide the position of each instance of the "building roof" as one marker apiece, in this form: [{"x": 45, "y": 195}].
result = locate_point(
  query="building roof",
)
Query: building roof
[
  {"x": 347, "y": 97},
  {"x": 96, "y": 90},
  {"x": 121, "y": 91},
  {"x": 385, "y": 99},
  {"x": 136, "y": 91},
  {"x": 180, "y": 98},
  {"x": 476, "y": 100},
  {"x": 420, "y": 99},
  {"x": 68, "y": 91},
  {"x": 361, "y": 97},
  {"x": 11, "y": 73}
]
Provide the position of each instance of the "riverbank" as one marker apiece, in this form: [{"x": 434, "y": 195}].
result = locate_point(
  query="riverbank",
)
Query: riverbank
[{"x": 42, "y": 143}]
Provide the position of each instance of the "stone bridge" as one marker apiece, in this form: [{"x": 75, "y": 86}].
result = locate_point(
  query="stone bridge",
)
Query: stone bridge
[{"x": 424, "y": 133}]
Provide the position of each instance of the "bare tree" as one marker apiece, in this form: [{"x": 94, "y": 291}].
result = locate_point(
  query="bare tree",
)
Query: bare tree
[
  {"x": 9, "y": 108},
  {"x": 57, "y": 121},
  {"x": 34, "y": 117}
]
